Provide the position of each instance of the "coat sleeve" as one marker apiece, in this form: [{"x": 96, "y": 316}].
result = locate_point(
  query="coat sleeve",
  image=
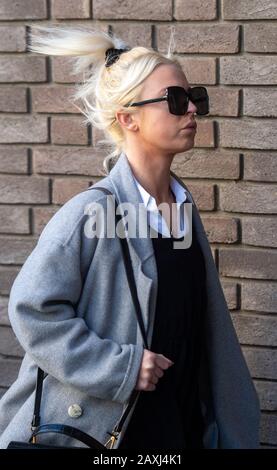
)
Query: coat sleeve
[{"x": 42, "y": 314}]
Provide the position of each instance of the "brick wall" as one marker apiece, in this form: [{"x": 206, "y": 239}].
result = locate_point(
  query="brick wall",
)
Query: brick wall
[{"x": 47, "y": 156}]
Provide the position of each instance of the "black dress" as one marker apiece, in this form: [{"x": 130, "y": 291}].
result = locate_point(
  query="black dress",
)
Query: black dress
[{"x": 169, "y": 417}]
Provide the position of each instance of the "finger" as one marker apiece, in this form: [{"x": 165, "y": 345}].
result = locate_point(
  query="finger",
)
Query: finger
[
  {"x": 159, "y": 372},
  {"x": 163, "y": 361},
  {"x": 154, "y": 379}
]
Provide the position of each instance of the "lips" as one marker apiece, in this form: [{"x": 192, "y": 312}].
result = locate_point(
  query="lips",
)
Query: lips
[{"x": 191, "y": 125}]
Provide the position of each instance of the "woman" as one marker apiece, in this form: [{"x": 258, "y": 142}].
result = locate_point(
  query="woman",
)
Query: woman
[{"x": 70, "y": 305}]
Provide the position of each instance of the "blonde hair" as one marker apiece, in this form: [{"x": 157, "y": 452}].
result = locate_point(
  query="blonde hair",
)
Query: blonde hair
[{"x": 103, "y": 90}]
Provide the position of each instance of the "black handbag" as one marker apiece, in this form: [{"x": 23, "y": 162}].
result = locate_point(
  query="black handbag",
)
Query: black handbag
[{"x": 71, "y": 431}]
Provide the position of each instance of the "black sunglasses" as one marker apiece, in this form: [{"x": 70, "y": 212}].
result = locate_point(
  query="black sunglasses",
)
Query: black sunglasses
[{"x": 178, "y": 99}]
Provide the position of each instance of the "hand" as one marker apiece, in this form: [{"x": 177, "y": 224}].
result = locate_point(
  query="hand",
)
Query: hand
[{"x": 151, "y": 370}]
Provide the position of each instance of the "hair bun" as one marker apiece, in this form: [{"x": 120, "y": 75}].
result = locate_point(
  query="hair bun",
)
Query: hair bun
[{"x": 112, "y": 55}]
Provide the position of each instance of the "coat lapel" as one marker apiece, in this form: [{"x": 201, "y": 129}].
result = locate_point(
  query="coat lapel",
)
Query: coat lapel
[{"x": 141, "y": 249}]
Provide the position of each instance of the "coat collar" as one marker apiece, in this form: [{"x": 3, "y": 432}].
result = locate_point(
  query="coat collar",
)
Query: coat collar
[{"x": 126, "y": 190}]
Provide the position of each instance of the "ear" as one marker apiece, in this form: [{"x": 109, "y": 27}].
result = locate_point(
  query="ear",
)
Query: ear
[{"x": 127, "y": 121}]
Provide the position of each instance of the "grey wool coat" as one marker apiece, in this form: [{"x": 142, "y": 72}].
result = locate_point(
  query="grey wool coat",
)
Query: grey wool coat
[{"x": 71, "y": 310}]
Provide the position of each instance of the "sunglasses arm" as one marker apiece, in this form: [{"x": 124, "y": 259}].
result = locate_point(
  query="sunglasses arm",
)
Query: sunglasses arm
[{"x": 154, "y": 100}]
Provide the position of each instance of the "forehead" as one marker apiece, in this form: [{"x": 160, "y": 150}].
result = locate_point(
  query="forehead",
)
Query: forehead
[{"x": 163, "y": 76}]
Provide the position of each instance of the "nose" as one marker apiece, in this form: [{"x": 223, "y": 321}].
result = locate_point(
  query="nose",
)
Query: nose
[{"x": 191, "y": 107}]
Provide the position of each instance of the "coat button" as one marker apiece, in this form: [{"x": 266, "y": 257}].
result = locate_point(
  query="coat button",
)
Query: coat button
[{"x": 75, "y": 411}]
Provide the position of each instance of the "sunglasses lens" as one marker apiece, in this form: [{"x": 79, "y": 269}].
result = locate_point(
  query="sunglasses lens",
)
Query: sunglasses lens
[
  {"x": 178, "y": 100},
  {"x": 199, "y": 96}
]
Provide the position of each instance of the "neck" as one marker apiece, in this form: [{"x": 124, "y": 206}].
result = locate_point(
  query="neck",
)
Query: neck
[{"x": 153, "y": 173}]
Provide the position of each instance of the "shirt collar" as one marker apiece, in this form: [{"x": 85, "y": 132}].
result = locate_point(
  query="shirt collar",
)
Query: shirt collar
[{"x": 150, "y": 202}]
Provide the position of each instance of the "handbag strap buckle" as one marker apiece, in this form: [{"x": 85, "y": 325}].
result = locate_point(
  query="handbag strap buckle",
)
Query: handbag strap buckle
[{"x": 111, "y": 441}]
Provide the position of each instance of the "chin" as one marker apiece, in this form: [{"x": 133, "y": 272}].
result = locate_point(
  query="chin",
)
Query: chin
[
  {"x": 183, "y": 147},
  {"x": 187, "y": 145}
]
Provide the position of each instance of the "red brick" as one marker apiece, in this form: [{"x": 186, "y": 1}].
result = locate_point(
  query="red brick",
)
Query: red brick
[
  {"x": 199, "y": 70},
  {"x": 9, "y": 369},
  {"x": 259, "y": 296},
  {"x": 25, "y": 68},
  {"x": 260, "y": 102},
  {"x": 213, "y": 253},
  {"x": 260, "y": 37},
  {"x": 13, "y": 99},
  {"x": 196, "y": 10},
  {"x": 259, "y": 231},
  {"x": 41, "y": 216},
  {"x": 267, "y": 392},
  {"x": 221, "y": 229},
  {"x": 65, "y": 188},
  {"x": 74, "y": 161},
  {"x": 248, "y": 263},
  {"x": 71, "y": 9},
  {"x": 4, "y": 319},
  {"x": 216, "y": 38},
  {"x": 207, "y": 164},
  {"x": 139, "y": 33},
  {"x": 205, "y": 134},
  {"x": 259, "y": 166},
  {"x": 203, "y": 195},
  {"x": 15, "y": 250},
  {"x": 248, "y": 70},
  {"x": 261, "y": 362},
  {"x": 268, "y": 427},
  {"x": 63, "y": 71},
  {"x": 247, "y": 197},
  {"x": 2, "y": 391},
  {"x": 54, "y": 99},
  {"x": 24, "y": 190},
  {"x": 249, "y": 9},
  {"x": 248, "y": 134},
  {"x": 230, "y": 293},
  {"x": 13, "y": 160},
  {"x": 257, "y": 330},
  {"x": 97, "y": 137},
  {"x": 69, "y": 131},
  {"x": 23, "y": 129},
  {"x": 130, "y": 10},
  {"x": 223, "y": 101},
  {"x": 12, "y": 38},
  {"x": 9, "y": 344},
  {"x": 7, "y": 277},
  {"x": 14, "y": 220},
  {"x": 20, "y": 10}
]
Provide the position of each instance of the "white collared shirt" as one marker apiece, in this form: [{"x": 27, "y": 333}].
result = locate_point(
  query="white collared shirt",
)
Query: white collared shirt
[{"x": 155, "y": 219}]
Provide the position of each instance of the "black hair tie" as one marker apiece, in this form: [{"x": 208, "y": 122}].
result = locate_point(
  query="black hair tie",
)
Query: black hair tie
[{"x": 112, "y": 55}]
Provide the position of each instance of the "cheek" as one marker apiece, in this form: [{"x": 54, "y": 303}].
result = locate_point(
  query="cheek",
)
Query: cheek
[
  {"x": 152, "y": 127},
  {"x": 162, "y": 126}
]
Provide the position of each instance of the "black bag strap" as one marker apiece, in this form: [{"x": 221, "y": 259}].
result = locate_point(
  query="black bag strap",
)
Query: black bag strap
[
  {"x": 69, "y": 430},
  {"x": 39, "y": 384},
  {"x": 129, "y": 269}
]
